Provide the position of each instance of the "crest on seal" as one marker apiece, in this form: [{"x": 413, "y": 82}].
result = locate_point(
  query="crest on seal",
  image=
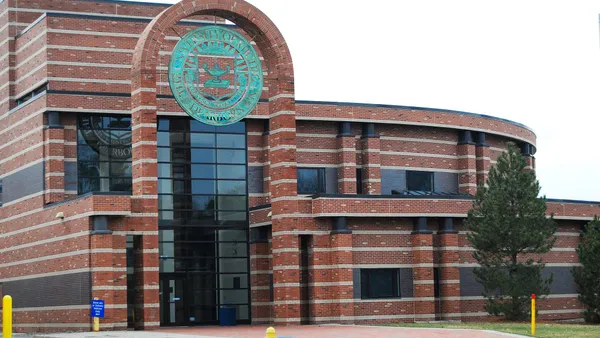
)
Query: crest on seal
[{"x": 216, "y": 75}]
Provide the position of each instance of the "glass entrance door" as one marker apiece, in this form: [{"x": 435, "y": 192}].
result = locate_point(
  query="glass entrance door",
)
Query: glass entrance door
[{"x": 173, "y": 297}]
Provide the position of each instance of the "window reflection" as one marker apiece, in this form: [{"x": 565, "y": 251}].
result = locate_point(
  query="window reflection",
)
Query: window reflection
[
  {"x": 311, "y": 180},
  {"x": 103, "y": 153},
  {"x": 419, "y": 181},
  {"x": 203, "y": 211}
]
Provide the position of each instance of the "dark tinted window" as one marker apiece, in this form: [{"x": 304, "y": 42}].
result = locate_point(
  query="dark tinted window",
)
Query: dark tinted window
[
  {"x": 380, "y": 283},
  {"x": 203, "y": 222},
  {"x": 359, "y": 189},
  {"x": 419, "y": 181},
  {"x": 104, "y": 153},
  {"x": 311, "y": 180},
  {"x": 202, "y": 174}
]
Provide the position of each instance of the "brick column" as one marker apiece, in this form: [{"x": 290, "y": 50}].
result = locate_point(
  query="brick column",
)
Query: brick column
[
  {"x": 422, "y": 243},
  {"x": 144, "y": 199},
  {"x": 449, "y": 273},
  {"x": 482, "y": 152},
  {"x": 5, "y": 49},
  {"x": 54, "y": 165},
  {"x": 346, "y": 160},
  {"x": 108, "y": 273},
  {"x": 342, "y": 278},
  {"x": 467, "y": 166},
  {"x": 284, "y": 206},
  {"x": 266, "y": 178},
  {"x": 260, "y": 282},
  {"x": 371, "y": 157},
  {"x": 528, "y": 150}
]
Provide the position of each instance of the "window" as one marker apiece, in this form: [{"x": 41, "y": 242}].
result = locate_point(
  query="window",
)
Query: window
[
  {"x": 380, "y": 283},
  {"x": 32, "y": 94},
  {"x": 104, "y": 153},
  {"x": 419, "y": 181},
  {"x": 202, "y": 173},
  {"x": 311, "y": 180}
]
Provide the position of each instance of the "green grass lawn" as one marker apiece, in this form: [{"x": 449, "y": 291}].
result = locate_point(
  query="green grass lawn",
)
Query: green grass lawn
[{"x": 543, "y": 330}]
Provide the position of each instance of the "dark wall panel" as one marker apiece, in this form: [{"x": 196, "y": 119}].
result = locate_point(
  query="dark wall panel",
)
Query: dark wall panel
[
  {"x": 445, "y": 182},
  {"x": 406, "y": 283},
  {"x": 70, "y": 176},
  {"x": 356, "y": 283},
  {"x": 23, "y": 183},
  {"x": 563, "y": 282},
  {"x": 331, "y": 181},
  {"x": 392, "y": 179},
  {"x": 71, "y": 289},
  {"x": 255, "y": 180}
]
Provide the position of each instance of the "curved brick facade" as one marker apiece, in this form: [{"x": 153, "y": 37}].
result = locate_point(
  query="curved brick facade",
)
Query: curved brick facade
[{"x": 307, "y": 252}]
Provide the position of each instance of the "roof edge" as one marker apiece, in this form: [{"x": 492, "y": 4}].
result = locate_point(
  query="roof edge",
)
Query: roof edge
[
  {"x": 559, "y": 200},
  {"x": 377, "y": 105},
  {"x": 130, "y": 2}
]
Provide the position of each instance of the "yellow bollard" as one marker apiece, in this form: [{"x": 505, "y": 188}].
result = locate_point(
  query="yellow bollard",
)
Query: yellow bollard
[
  {"x": 7, "y": 317},
  {"x": 533, "y": 314},
  {"x": 271, "y": 333},
  {"x": 96, "y": 324}
]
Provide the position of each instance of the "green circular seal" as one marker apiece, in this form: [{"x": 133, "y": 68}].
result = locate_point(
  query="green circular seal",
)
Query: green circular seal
[{"x": 216, "y": 75}]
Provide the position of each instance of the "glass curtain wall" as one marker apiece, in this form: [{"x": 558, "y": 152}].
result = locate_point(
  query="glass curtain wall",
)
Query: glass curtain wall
[{"x": 203, "y": 221}]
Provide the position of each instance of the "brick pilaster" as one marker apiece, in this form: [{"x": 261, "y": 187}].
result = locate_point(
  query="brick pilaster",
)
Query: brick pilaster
[
  {"x": 106, "y": 275},
  {"x": 144, "y": 199},
  {"x": 423, "y": 290},
  {"x": 283, "y": 188},
  {"x": 449, "y": 274},
  {"x": 371, "y": 159},
  {"x": 482, "y": 153},
  {"x": 266, "y": 176},
  {"x": 54, "y": 165},
  {"x": 286, "y": 277},
  {"x": 260, "y": 281},
  {"x": 7, "y": 50},
  {"x": 346, "y": 160},
  {"x": 530, "y": 162},
  {"x": 341, "y": 255},
  {"x": 467, "y": 166},
  {"x": 528, "y": 150},
  {"x": 146, "y": 275}
]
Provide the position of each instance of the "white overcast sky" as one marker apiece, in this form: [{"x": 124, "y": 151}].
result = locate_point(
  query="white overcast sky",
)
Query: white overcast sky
[{"x": 532, "y": 61}]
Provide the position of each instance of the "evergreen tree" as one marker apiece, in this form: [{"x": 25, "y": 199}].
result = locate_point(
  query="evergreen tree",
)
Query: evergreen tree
[
  {"x": 587, "y": 276},
  {"x": 507, "y": 224}
]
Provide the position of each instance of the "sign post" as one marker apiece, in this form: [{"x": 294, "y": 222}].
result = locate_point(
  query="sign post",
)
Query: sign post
[
  {"x": 533, "y": 314},
  {"x": 97, "y": 313}
]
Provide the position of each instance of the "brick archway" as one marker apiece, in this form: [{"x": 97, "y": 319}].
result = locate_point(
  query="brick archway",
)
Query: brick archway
[{"x": 281, "y": 156}]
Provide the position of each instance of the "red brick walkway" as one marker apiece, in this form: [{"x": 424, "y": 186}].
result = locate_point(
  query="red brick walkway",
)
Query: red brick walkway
[{"x": 334, "y": 332}]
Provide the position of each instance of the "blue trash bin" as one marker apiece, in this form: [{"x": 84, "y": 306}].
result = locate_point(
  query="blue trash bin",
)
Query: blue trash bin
[{"x": 227, "y": 316}]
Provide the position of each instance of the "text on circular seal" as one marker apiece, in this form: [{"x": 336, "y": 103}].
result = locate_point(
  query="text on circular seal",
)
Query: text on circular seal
[{"x": 216, "y": 75}]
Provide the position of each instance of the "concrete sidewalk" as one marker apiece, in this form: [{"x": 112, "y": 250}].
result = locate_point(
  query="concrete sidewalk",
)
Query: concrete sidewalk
[
  {"x": 318, "y": 331},
  {"x": 119, "y": 334}
]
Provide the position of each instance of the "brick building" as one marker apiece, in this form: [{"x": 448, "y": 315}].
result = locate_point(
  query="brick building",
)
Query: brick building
[{"x": 304, "y": 212}]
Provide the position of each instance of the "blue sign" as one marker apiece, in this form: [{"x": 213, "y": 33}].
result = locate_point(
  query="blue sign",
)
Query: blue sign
[{"x": 98, "y": 308}]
